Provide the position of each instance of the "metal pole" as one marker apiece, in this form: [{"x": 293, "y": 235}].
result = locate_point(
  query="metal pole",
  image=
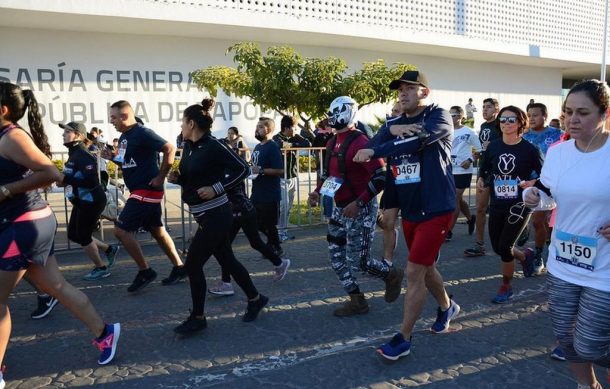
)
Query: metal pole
[{"x": 605, "y": 48}]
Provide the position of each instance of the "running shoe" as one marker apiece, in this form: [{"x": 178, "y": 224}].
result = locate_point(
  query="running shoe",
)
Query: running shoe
[
  {"x": 443, "y": 318},
  {"x": 284, "y": 236},
  {"x": 177, "y": 274},
  {"x": 478, "y": 250},
  {"x": 281, "y": 270},
  {"x": 191, "y": 325},
  {"x": 111, "y": 254},
  {"x": 528, "y": 263},
  {"x": 504, "y": 294},
  {"x": 557, "y": 354},
  {"x": 449, "y": 236},
  {"x": 143, "y": 278},
  {"x": 397, "y": 347},
  {"x": 472, "y": 223},
  {"x": 45, "y": 306},
  {"x": 538, "y": 265},
  {"x": 108, "y": 343},
  {"x": 96, "y": 274},
  {"x": 393, "y": 284},
  {"x": 222, "y": 289},
  {"x": 254, "y": 308}
]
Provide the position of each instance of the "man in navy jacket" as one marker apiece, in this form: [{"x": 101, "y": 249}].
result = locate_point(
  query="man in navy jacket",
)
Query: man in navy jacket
[{"x": 419, "y": 144}]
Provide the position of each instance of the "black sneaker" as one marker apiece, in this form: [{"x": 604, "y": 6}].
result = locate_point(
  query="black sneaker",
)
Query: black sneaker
[
  {"x": 143, "y": 278},
  {"x": 472, "y": 223},
  {"x": 191, "y": 325},
  {"x": 45, "y": 306},
  {"x": 178, "y": 274},
  {"x": 254, "y": 308}
]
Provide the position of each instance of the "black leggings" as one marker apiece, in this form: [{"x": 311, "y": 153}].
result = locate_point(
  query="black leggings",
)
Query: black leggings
[
  {"x": 247, "y": 221},
  {"x": 267, "y": 215},
  {"x": 212, "y": 238},
  {"x": 83, "y": 220},
  {"x": 505, "y": 226}
]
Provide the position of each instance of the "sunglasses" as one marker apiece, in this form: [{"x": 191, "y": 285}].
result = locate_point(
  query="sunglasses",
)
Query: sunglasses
[{"x": 508, "y": 119}]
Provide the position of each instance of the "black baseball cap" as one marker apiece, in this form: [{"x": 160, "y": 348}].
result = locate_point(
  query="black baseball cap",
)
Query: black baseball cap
[
  {"x": 75, "y": 127},
  {"x": 410, "y": 77}
]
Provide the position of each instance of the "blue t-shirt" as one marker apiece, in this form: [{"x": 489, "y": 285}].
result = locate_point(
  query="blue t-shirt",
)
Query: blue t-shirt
[
  {"x": 138, "y": 157},
  {"x": 266, "y": 189},
  {"x": 543, "y": 139}
]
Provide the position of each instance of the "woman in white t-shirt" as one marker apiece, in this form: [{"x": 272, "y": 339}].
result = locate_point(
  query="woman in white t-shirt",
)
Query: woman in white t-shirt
[
  {"x": 577, "y": 174},
  {"x": 464, "y": 140}
]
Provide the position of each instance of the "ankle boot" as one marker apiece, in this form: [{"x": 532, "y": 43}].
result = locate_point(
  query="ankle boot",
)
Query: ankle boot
[{"x": 355, "y": 305}]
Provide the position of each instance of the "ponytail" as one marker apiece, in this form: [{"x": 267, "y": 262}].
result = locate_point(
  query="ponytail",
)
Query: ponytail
[
  {"x": 17, "y": 101},
  {"x": 207, "y": 104}
]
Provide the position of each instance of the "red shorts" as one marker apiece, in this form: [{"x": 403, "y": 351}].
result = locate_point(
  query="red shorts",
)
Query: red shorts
[{"x": 424, "y": 239}]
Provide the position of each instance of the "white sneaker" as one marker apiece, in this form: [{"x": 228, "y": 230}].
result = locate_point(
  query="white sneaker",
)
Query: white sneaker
[
  {"x": 2, "y": 383},
  {"x": 222, "y": 289},
  {"x": 281, "y": 270}
]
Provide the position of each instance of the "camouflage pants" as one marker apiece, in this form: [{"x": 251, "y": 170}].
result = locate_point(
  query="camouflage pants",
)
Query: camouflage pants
[{"x": 349, "y": 245}]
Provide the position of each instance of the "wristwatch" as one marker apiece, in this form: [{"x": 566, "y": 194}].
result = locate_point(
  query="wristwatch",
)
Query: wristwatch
[
  {"x": 7, "y": 193},
  {"x": 360, "y": 203}
]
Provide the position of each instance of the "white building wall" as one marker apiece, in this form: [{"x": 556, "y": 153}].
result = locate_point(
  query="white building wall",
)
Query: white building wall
[{"x": 92, "y": 70}]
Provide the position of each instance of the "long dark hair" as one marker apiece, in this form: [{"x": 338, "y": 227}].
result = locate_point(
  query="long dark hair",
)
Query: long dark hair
[
  {"x": 17, "y": 101},
  {"x": 200, "y": 114}
]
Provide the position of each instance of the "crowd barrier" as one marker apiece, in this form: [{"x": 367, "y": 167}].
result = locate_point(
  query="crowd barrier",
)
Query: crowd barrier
[{"x": 176, "y": 217}]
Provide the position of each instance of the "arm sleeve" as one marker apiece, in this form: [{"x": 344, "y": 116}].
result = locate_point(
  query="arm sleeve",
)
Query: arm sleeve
[
  {"x": 383, "y": 135},
  {"x": 437, "y": 125},
  {"x": 236, "y": 168}
]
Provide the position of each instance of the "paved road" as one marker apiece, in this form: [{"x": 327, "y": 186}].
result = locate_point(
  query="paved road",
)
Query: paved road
[{"x": 296, "y": 342}]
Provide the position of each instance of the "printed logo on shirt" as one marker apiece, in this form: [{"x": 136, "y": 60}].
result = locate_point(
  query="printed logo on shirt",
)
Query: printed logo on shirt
[
  {"x": 130, "y": 164},
  {"x": 255, "y": 155},
  {"x": 506, "y": 164},
  {"x": 485, "y": 134}
]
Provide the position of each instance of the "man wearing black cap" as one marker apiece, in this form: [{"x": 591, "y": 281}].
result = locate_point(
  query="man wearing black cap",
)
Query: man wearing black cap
[{"x": 420, "y": 146}]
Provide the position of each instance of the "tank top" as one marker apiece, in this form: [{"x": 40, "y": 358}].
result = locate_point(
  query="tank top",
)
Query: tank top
[{"x": 10, "y": 171}]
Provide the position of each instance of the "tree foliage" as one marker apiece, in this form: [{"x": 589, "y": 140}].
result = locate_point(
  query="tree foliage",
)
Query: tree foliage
[{"x": 284, "y": 81}]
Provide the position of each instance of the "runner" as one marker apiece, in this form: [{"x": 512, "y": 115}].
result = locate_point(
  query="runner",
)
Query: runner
[
  {"x": 207, "y": 170},
  {"x": 464, "y": 141},
  {"x": 28, "y": 224},
  {"x": 542, "y": 137},
  {"x": 506, "y": 169},
  {"x": 138, "y": 155},
  {"x": 490, "y": 131},
  {"x": 352, "y": 225},
  {"x": 576, "y": 174},
  {"x": 426, "y": 192},
  {"x": 88, "y": 200}
]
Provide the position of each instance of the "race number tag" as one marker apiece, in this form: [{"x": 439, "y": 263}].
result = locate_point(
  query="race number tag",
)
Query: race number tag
[
  {"x": 575, "y": 250},
  {"x": 506, "y": 189},
  {"x": 331, "y": 186},
  {"x": 406, "y": 173}
]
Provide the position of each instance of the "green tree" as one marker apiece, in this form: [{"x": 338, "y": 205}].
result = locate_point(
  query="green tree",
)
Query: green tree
[{"x": 284, "y": 81}]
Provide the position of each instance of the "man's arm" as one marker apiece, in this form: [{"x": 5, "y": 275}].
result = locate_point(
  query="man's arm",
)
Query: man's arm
[{"x": 168, "y": 152}]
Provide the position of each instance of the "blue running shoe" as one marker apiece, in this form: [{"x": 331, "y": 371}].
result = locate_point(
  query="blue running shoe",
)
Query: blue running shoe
[
  {"x": 443, "y": 318},
  {"x": 397, "y": 347},
  {"x": 528, "y": 264},
  {"x": 558, "y": 354},
  {"x": 108, "y": 344},
  {"x": 504, "y": 294}
]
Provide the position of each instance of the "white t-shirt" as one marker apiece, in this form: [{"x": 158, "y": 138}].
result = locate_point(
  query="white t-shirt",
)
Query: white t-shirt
[
  {"x": 464, "y": 140},
  {"x": 580, "y": 184}
]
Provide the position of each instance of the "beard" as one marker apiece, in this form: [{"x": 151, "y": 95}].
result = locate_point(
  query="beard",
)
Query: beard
[{"x": 260, "y": 137}]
